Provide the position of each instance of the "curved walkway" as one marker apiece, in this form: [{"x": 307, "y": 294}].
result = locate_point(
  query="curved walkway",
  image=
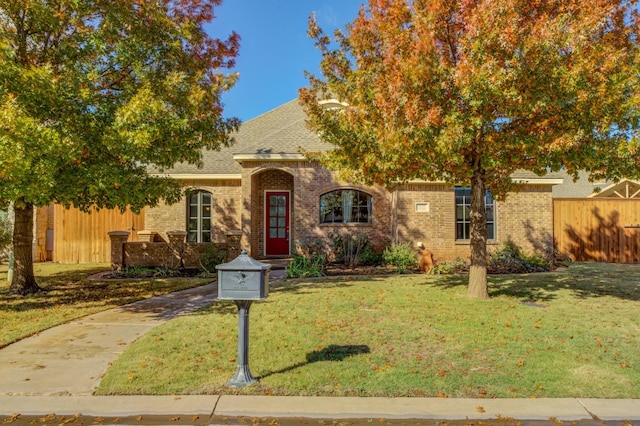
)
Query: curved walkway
[{"x": 71, "y": 358}]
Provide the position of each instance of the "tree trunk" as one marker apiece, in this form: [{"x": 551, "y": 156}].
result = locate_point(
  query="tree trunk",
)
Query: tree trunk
[
  {"x": 478, "y": 216},
  {"x": 24, "y": 281}
]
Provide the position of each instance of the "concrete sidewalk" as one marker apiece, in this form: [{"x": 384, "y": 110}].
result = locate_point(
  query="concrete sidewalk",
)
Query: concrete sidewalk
[
  {"x": 58, "y": 370},
  {"x": 563, "y": 409}
]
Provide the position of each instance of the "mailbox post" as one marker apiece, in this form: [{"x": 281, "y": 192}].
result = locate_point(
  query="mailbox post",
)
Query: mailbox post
[{"x": 243, "y": 280}]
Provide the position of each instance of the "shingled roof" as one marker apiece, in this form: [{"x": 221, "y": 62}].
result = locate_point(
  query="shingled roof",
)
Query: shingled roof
[
  {"x": 282, "y": 131},
  {"x": 279, "y": 131}
]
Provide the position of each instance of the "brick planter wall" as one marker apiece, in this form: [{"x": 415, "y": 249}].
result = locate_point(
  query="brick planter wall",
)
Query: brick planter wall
[{"x": 164, "y": 254}]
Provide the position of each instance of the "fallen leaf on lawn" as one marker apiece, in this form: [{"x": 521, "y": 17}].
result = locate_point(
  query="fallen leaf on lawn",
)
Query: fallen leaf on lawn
[
  {"x": 11, "y": 419},
  {"x": 47, "y": 418},
  {"x": 71, "y": 419}
]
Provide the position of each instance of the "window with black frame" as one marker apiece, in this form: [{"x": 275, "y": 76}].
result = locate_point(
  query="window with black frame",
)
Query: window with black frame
[
  {"x": 463, "y": 217},
  {"x": 346, "y": 206}
]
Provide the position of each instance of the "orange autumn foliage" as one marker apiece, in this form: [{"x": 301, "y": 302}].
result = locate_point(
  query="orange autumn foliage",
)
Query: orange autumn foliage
[{"x": 470, "y": 91}]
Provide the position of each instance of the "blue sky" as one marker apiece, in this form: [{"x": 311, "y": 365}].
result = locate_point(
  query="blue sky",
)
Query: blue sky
[{"x": 274, "y": 48}]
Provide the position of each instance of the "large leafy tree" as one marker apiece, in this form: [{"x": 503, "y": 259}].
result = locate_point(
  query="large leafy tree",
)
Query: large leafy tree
[
  {"x": 93, "y": 93},
  {"x": 469, "y": 91}
]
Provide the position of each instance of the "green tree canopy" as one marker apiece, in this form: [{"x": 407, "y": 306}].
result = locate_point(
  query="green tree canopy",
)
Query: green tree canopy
[
  {"x": 95, "y": 92},
  {"x": 469, "y": 91}
]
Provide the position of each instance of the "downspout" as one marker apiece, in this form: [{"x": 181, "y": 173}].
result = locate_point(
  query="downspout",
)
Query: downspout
[{"x": 394, "y": 214}]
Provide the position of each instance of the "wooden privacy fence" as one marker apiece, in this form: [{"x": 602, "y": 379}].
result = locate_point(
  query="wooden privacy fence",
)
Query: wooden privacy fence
[
  {"x": 598, "y": 229},
  {"x": 83, "y": 237}
]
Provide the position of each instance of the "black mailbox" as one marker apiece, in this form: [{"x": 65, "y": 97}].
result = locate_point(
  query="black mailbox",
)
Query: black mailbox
[{"x": 244, "y": 278}]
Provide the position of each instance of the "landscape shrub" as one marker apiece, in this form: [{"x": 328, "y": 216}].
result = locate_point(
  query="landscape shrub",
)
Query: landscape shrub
[
  {"x": 370, "y": 257},
  {"x": 303, "y": 267},
  {"x": 134, "y": 272},
  {"x": 347, "y": 248},
  {"x": 152, "y": 272},
  {"x": 402, "y": 256},
  {"x": 165, "y": 273},
  {"x": 457, "y": 266},
  {"x": 510, "y": 259},
  {"x": 211, "y": 257}
]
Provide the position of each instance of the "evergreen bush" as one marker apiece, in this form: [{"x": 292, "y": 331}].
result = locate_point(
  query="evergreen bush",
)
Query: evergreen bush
[{"x": 402, "y": 256}]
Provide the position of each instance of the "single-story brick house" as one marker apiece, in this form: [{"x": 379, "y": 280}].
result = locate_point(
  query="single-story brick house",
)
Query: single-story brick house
[{"x": 265, "y": 189}]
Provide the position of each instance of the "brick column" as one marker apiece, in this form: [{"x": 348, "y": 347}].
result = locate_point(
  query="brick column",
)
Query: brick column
[
  {"x": 178, "y": 244},
  {"x": 118, "y": 238},
  {"x": 233, "y": 244}
]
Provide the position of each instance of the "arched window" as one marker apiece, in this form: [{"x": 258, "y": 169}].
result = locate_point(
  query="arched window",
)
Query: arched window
[
  {"x": 346, "y": 206},
  {"x": 199, "y": 219}
]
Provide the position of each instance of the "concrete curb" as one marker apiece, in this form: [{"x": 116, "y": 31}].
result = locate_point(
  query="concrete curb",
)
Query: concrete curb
[
  {"x": 563, "y": 409},
  {"x": 108, "y": 406}
]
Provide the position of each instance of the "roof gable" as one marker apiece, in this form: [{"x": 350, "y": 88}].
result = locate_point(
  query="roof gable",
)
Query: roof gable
[{"x": 624, "y": 189}]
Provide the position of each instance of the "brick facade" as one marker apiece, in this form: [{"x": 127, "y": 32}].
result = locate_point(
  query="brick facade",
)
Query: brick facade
[
  {"x": 227, "y": 196},
  {"x": 306, "y": 181},
  {"x": 525, "y": 218},
  {"x": 413, "y": 212}
]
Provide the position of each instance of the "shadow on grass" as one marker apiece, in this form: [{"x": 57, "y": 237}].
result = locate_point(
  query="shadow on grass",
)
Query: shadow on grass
[
  {"x": 583, "y": 280},
  {"x": 328, "y": 353}
]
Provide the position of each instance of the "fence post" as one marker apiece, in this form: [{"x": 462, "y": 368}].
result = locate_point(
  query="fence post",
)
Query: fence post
[{"x": 118, "y": 238}]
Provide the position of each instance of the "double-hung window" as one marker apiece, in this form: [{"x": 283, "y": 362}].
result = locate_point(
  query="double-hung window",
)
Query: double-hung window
[
  {"x": 199, "y": 219},
  {"x": 346, "y": 206},
  {"x": 463, "y": 217}
]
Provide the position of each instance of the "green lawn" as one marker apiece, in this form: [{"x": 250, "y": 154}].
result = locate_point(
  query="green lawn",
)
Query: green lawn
[
  {"x": 70, "y": 295},
  {"x": 571, "y": 333}
]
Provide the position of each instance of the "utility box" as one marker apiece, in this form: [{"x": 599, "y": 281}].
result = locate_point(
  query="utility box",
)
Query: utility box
[{"x": 244, "y": 278}]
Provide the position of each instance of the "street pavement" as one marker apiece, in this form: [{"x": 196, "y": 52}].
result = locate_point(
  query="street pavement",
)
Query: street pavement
[{"x": 55, "y": 373}]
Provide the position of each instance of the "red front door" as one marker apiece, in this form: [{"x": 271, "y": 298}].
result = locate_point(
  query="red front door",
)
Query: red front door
[{"x": 277, "y": 223}]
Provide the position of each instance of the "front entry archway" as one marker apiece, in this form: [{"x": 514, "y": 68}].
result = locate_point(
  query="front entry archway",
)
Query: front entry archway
[{"x": 272, "y": 213}]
